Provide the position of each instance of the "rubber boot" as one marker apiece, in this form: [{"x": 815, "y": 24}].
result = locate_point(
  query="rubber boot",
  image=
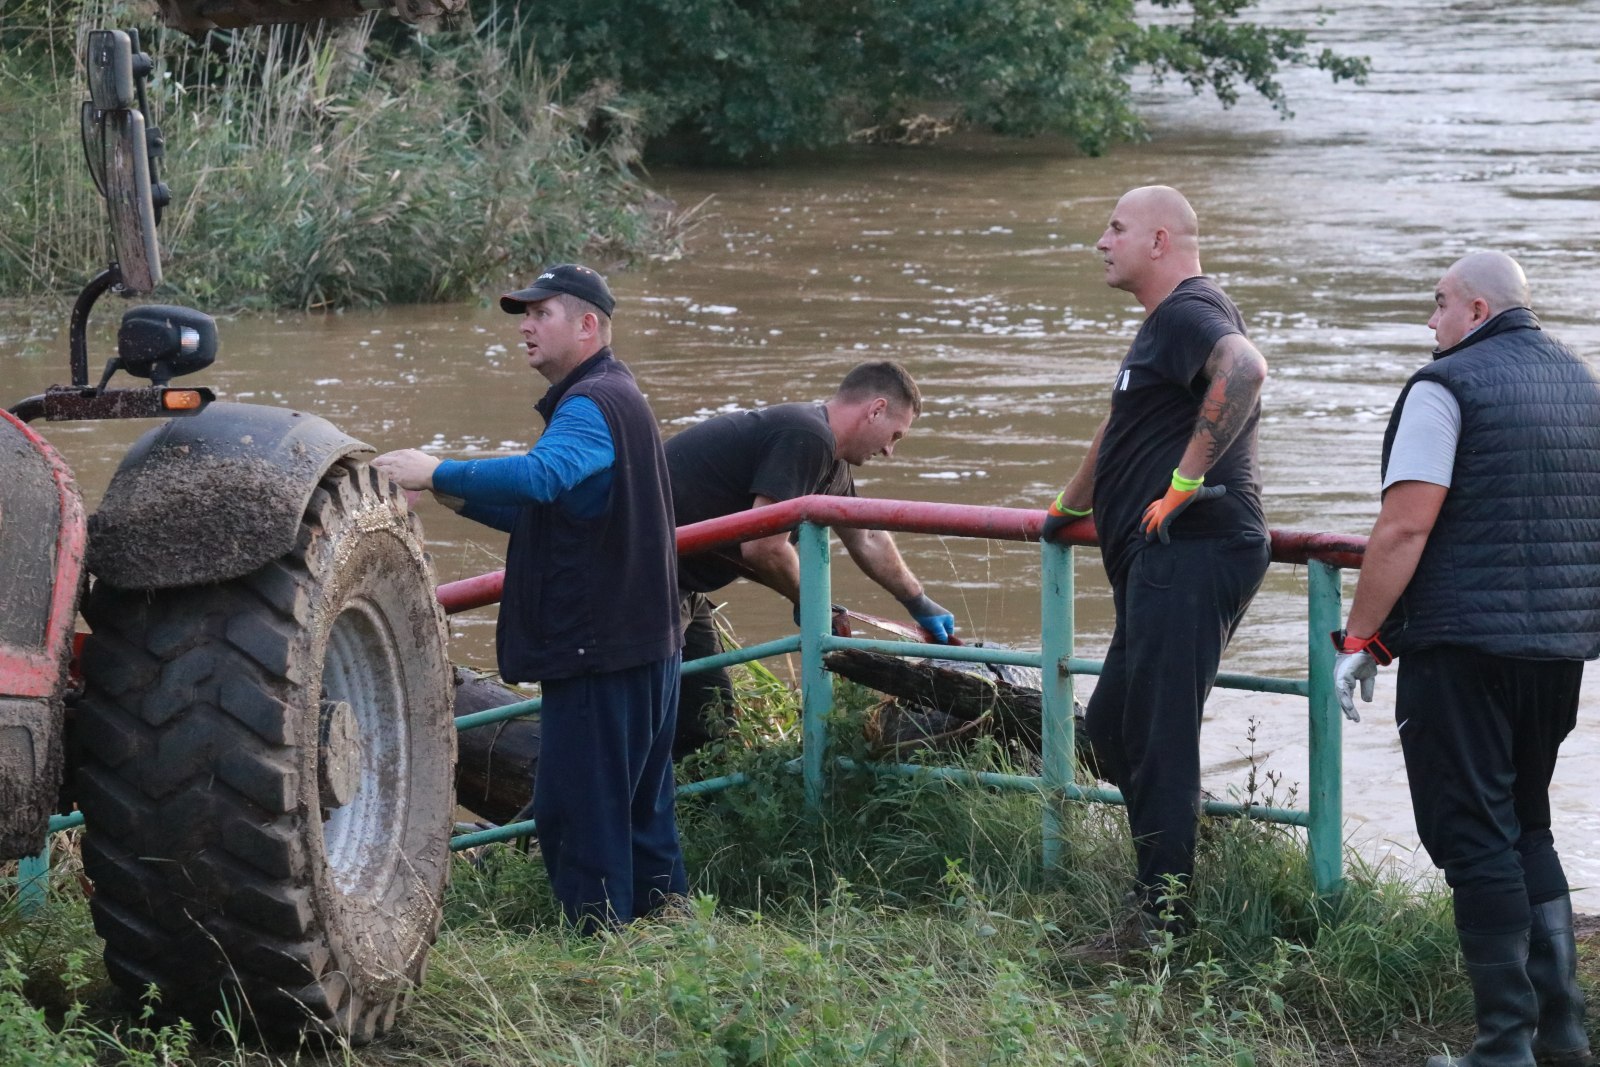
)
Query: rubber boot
[
  {"x": 1503, "y": 1001},
  {"x": 1560, "y": 1040}
]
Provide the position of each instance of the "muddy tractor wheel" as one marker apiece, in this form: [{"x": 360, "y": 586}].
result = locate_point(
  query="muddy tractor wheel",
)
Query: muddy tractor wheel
[{"x": 267, "y": 775}]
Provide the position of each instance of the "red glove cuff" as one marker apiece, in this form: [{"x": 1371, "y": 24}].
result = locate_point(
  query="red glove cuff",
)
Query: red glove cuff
[{"x": 1370, "y": 645}]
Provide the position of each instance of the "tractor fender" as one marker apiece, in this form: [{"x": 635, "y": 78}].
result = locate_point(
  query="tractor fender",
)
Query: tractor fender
[
  {"x": 213, "y": 496},
  {"x": 41, "y": 556}
]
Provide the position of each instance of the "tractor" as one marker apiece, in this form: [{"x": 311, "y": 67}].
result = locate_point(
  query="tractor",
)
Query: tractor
[{"x": 257, "y": 724}]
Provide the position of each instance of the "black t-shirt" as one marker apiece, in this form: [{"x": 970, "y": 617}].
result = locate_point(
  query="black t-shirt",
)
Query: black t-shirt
[
  {"x": 718, "y": 467},
  {"x": 1155, "y": 400}
]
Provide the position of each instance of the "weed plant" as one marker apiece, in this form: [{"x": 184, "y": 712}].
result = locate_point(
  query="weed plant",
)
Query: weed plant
[
  {"x": 311, "y": 169},
  {"x": 911, "y": 923}
]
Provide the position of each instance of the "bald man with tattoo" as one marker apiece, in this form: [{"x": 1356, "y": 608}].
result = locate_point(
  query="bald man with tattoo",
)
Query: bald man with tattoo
[{"x": 1172, "y": 481}]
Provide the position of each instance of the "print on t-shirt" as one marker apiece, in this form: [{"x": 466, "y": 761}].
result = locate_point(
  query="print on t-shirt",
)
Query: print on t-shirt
[{"x": 1155, "y": 401}]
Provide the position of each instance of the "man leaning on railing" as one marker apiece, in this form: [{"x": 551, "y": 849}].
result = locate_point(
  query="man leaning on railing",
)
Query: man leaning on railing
[{"x": 1172, "y": 480}]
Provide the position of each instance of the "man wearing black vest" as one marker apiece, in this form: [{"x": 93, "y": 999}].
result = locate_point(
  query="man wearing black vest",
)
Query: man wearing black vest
[
  {"x": 590, "y": 605},
  {"x": 746, "y": 459},
  {"x": 1482, "y": 575},
  {"x": 1173, "y": 482}
]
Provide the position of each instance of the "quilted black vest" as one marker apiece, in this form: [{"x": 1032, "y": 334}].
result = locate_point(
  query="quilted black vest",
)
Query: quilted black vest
[{"x": 1512, "y": 566}]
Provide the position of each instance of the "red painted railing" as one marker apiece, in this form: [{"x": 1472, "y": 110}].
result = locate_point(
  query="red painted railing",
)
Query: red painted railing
[{"x": 908, "y": 516}]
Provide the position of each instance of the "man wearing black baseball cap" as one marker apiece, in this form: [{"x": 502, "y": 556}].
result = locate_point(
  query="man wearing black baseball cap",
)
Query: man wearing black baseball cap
[
  {"x": 590, "y": 604},
  {"x": 564, "y": 278}
]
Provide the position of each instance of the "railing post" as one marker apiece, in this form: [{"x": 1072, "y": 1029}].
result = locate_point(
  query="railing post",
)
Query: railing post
[
  {"x": 816, "y": 685},
  {"x": 1055, "y": 647},
  {"x": 33, "y": 880},
  {"x": 1326, "y": 833}
]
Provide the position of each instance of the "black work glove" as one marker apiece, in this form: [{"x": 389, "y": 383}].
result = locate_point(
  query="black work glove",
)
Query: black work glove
[
  {"x": 840, "y": 625},
  {"x": 1058, "y": 517}
]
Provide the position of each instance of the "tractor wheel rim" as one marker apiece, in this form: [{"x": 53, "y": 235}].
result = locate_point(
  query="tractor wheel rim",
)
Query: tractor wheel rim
[{"x": 362, "y": 838}]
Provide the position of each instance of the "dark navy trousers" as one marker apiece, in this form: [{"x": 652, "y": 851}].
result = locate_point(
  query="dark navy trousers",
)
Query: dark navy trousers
[
  {"x": 1177, "y": 608},
  {"x": 1480, "y": 735},
  {"x": 603, "y": 794},
  {"x": 705, "y": 701}
]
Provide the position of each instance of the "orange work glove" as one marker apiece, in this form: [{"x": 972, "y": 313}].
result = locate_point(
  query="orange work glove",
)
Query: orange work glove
[
  {"x": 1158, "y": 517},
  {"x": 1058, "y": 517}
]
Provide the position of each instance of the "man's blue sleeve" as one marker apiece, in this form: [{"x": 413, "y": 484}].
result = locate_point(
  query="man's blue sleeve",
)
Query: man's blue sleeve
[{"x": 575, "y": 446}]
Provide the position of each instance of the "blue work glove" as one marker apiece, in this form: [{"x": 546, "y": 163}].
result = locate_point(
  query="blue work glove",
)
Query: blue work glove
[
  {"x": 1357, "y": 661},
  {"x": 1058, "y": 517},
  {"x": 931, "y": 617}
]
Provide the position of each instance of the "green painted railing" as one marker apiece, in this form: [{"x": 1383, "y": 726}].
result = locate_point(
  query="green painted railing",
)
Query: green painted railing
[{"x": 1322, "y": 554}]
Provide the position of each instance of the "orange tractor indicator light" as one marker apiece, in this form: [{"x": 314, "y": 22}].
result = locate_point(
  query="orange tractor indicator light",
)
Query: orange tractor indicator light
[{"x": 182, "y": 400}]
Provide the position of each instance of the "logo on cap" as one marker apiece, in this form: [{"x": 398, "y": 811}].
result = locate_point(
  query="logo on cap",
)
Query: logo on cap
[{"x": 569, "y": 278}]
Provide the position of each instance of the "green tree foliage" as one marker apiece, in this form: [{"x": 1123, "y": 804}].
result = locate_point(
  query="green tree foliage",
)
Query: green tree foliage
[{"x": 743, "y": 79}]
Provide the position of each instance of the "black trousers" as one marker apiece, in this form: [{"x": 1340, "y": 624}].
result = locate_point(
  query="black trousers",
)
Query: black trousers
[
  {"x": 1177, "y": 608},
  {"x": 603, "y": 797},
  {"x": 705, "y": 701},
  {"x": 1480, "y": 735}
]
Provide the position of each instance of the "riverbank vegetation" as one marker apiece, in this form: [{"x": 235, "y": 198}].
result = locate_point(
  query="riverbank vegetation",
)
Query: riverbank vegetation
[
  {"x": 911, "y": 924},
  {"x": 724, "y": 79},
  {"x": 314, "y": 169},
  {"x": 372, "y": 163}
]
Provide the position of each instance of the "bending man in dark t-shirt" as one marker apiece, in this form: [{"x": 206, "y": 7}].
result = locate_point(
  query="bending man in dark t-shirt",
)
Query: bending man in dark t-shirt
[
  {"x": 1173, "y": 483},
  {"x": 745, "y": 459}
]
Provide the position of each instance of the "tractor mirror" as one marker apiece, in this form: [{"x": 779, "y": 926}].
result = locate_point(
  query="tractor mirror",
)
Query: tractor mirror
[
  {"x": 110, "y": 61},
  {"x": 93, "y": 120},
  {"x": 118, "y": 148},
  {"x": 159, "y": 342},
  {"x": 126, "y": 161}
]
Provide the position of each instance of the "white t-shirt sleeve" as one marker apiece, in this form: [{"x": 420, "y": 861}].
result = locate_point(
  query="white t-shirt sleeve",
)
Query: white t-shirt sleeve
[{"x": 1424, "y": 447}]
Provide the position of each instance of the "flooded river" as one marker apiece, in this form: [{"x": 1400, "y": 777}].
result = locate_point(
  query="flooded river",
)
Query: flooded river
[{"x": 973, "y": 264}]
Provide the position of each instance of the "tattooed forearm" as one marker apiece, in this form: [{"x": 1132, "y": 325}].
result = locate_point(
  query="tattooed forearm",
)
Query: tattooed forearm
[{"x": 1236, "y": 370}]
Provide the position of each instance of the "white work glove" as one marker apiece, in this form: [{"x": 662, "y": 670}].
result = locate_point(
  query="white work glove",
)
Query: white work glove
[
  {"x": 1348, "y": 669},
  {"x": 1356, "y": 659}
]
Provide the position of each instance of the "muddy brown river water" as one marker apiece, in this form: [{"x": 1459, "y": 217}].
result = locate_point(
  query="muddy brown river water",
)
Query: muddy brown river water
[{"x": 972, "y": 263}]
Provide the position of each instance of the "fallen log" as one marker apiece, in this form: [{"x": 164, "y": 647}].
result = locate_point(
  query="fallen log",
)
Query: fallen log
[
  {"x": 894, "y": 730},
  {"x": 934, "y": 705},
  {"x": 949, "y": 700},
  {"x": 495, "y": 763}
]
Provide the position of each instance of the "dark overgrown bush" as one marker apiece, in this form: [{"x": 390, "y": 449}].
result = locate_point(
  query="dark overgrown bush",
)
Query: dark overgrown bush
[{"x": 743, "y": 80}]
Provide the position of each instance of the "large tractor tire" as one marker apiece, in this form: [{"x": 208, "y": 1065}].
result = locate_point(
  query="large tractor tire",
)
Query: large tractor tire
[{"x": 267, "y": 776}]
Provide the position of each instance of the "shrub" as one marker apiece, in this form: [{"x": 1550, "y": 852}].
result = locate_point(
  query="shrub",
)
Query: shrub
[
  {"x": 310, "y": 171},
  {"x": 743, "y": 80}
]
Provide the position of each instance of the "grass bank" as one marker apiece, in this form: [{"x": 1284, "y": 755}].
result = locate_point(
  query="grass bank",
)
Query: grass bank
[
  {"x": 320, "y": 169},
  {"x": 911, "y": 924}
]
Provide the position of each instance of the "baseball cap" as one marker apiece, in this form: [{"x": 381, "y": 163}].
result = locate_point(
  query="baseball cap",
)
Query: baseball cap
[{"x": 569, "y": 278}]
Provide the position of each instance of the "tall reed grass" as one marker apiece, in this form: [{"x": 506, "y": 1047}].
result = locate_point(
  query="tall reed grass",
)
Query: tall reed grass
[{"x": 311, "y": 169}]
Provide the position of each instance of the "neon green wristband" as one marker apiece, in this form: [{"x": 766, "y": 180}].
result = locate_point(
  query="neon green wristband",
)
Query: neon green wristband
[
  {"x": 1186, "y": 485},
  {"x": 1064, "y": 510}
]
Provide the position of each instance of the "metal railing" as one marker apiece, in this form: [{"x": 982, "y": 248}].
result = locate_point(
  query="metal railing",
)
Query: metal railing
[{"x": 1322, "y": 554}]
